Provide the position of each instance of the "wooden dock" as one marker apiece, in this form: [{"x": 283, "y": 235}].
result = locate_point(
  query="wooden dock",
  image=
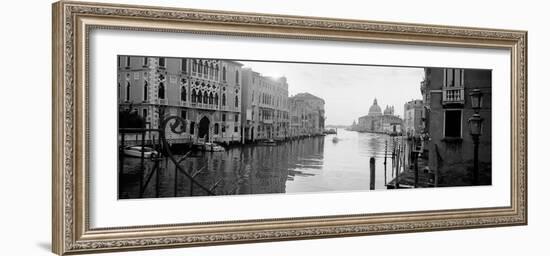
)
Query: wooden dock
[{"x": 407, "y": 177}]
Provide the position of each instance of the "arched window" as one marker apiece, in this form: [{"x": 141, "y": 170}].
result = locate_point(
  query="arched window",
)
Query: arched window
[
  {"x": 236, "y": 76},
  {"x": 224, "y": 74},
  {"x": 200, "y": 67},
  {"x": 183, "y": 95},
  {"x": 205, "y": 98},
  {"x": 223, "y": 99},
  {"x": 206, "y": 68},
  {"x": 216, "y": 71},
  {"x": 128, "y": 91},
  {"x": 161, "y": 90},
  {"x": 145, "y": 91},
  {"x": 210, "y": 98},
  {"x": 236, "y": 101},
  {"x": 193, "y": 96},
  {"x": 216, "y": 99},
  {"x": 194, "y": 66},
  {"x": 216, "y": 128},
  {"x": 199, "y": 97}
]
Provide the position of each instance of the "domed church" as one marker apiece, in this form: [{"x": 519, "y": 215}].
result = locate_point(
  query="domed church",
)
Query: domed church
[
  {"x": 375, "y": 110},
  {"x": 378, "y": 122}
]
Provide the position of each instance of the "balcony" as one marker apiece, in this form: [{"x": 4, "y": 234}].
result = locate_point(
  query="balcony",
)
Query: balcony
[
  {"x": 453, "y": 96},
  {"x": 203, "y": 106}
]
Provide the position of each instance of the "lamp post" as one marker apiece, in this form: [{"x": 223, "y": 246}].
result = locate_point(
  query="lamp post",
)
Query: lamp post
[{"x": 476, "y": 126}]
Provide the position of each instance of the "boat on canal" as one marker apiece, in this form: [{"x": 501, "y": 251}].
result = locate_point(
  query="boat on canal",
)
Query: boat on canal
[
  {"x": 209, "y": 147},
  {"x": 269, "y": 142},
  {"x": 137, "y": 151},
  {"x": 330, "y": 131}
]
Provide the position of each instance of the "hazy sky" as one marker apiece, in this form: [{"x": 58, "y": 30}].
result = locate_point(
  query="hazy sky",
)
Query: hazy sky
[{"x": 348, "y": 90}]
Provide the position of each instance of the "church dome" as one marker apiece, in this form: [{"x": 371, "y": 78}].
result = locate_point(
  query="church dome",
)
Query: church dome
[{"x": 375, "y": 110}]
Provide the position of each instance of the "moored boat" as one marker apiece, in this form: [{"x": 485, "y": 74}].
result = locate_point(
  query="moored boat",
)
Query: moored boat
[
  {"x": 136, "y": 151},
  {"x": 269, "y": 142},
  {"x": 213, "y": 147},
  {"x": 209, "y": 147}
]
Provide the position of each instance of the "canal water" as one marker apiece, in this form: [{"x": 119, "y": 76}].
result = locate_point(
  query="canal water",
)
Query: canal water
[{"x": 316, "y": 164}]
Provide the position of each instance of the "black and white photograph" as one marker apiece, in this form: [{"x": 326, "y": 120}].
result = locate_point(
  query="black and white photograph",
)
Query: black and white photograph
[{"x": 203, "y": 127}]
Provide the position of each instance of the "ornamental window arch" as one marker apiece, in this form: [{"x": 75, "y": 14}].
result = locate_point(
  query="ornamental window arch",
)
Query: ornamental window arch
[
  {"x": 183, "y": 94},
  {"x": 199, "y": 97},
  {"x": 193, "y": 96},
  {"x": 161, "y": 91},
  {"x": 128, "y": 91},
  {"x": 145, "y": 91},
  {"x": 205, "y": 98}
]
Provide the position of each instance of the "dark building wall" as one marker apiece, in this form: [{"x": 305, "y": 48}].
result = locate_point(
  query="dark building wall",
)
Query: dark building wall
[{"x": 452, "y": 156}]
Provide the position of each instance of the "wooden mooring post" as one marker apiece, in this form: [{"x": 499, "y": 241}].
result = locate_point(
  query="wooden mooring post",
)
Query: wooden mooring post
[
  {"x": 398, "y": 157},
  {"x": 121, "y": 154},
  {"x": 393, "y": 158},
  {"x": 142, "y": 164},
  {"x": 385, "y": 155},
  {"x": 372, "y": 173},
  {"x": 415, "y": 156}
]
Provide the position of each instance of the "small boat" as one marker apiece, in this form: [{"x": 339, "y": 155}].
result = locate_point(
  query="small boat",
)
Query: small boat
[
  {"x": 209, "y": 147},
  {"x": 335, "y": 140},
  {"x": 331, "y": 131},
  {"x": 269, "y": 142},
  {"x": 213, "y": 147},
  {"x": 136, "y": 151}
]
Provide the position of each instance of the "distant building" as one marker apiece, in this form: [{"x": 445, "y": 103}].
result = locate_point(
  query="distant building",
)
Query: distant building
[
  {"x": 447, "y": 108},
  {"x": 265, "y": 108},
  {"x": 307, "y": 115},
  {"x": 412, "y": 117},
  {"x": 376, "y": 121},
  {"x": 206, "y": 93}
]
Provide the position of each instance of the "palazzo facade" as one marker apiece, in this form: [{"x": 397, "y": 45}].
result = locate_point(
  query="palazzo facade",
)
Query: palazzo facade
[{"x": 204, "y": 92}]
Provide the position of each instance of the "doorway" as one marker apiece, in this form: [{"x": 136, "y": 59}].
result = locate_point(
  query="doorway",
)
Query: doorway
[{"x": 204, "y": 128}]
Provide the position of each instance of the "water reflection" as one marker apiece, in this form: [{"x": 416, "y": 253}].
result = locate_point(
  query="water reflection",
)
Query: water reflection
[{"x": 309, "y": 165}]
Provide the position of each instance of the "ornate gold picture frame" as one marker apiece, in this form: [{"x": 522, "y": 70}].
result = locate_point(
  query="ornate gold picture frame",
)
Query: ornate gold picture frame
[{"x": 72, "y": 24}]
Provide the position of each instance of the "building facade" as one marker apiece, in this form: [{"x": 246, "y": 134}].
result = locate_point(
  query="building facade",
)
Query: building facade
[
  {"x": 307, "y": 115},
  {"x": 412, "y": 117},
  {"x": 380, "y": 122},
  {"x": 206, "y": 93},
  {"x": 265, "y": 107},
  {"x": 447, "y": 109}
]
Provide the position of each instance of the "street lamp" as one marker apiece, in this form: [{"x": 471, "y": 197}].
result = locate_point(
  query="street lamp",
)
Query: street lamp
[
  {"x": 476, "y": 126},
  {"x": 477, "y": 99}
]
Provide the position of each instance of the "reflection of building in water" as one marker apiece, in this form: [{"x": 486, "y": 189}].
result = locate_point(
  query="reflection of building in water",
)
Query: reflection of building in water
[
  {"x": 258, "y": 170},
  {"x": 307, "y": 115},
  {"x": 376, "y": 121},
  {"x": 204, "y": 92},
  {"x": 239, "y": 170}
]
